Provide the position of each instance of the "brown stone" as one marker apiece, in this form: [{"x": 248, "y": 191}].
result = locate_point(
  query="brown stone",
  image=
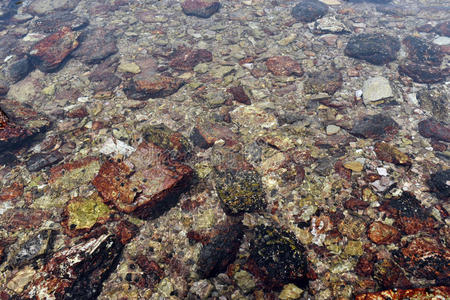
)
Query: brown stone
[
  {"x": 186, "y": 59},
  {"x": 327, "y": 81},
  {"x": 423, "y": 73},
  {"x": 378, "y": 127},
  {"x": 48, "y": 54},
  {"x": 4, "y": 88},
  {"x": 145, "y": 184},
  {"x": 383, "y": 234},
  {"x": 355, "y": 204},
  {"x": 11, "y": 192},
  {"x": 431, "y": 128},
  {"x": 386, "y": 152},
  {"x": 17, "y": 218},
  {"x": 79, "y": 112},
  {"x": 200, "y": 8},
  {"x": 206, "y": 134},
  {"x": 284, "y": 66},
  {"x": 443, "y": 28},
  {"x": 155, "y": 86},
  {"x": 439, "y": 292},
  {"x": 352, "y": 227},
  {"x": 125, "y": 231},
  {"x": 239, "y": 95},
  {"x": 389, "y": 275}
]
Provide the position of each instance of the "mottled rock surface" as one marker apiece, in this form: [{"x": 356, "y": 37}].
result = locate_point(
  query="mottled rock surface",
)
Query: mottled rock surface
[
  {"x": 376, "y": 48},
  {"x": 186, "y": 59},
  {"x": 96, "y": 45},
  {"x": 309, "y": 10},
  {"x": 380, "y": 127},
  {"x": 155, "y": 86},
  {"x": 431, "y": 128},
  {"x": 419, "y": 293},
  {"x": 284, "y": 65},
  {"x": 439, "y": 183},
  {"x": 200, "y": 8},
  {"x": 327, "y": 81}
]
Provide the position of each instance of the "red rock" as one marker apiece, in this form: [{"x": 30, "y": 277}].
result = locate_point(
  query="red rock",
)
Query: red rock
[
  {"x": 439, "y": 292},
  {"x": 431, "y": 128},
  {"x": 156, "y": 86},
  {"x": 49, "y": 53},
  {"x": 386, "y": 152},
  {"x": 145, "y": 184},
  {"x": 284, "y": 65},
  {"x": 239, "y": 95},
  {"x": 16, "y": 218},
  {"x": 423, "y": 73},
  {"x": 383, "y": 234},
  {"x": 364, "y": 267},
  {"x": 152, "y": 271},
  {"x": 355, "y": 204},
  {"x": 389, "y": 275},
  {"x": 79, "y": 112},
  {"x": 426, "y": 258},
  {"x": 125, "y": 231},
  {"x": 19, "y": 122},
  {"x": 11, "y": 192},
  {"x": 200, "y": 8},
  {"x": 186, "y": 59},
  {"x": 206, "y": 134}
]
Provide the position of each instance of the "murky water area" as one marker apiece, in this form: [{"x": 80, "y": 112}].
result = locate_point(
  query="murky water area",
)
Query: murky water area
[{"x": 212, "y": 149}]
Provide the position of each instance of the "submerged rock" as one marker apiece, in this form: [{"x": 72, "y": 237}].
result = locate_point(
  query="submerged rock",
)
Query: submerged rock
[
  {"x": 4, "y": 87},
  {"x": 431, "y": 128},
  {"x": 52, "y": 22},
  {"x": 419, "y": 51},
  {"x": 439, "y": 182},
  {"x": 146, "y": 184},
  {"x": 379, "y": 127},
  {"x": 96, "y": 45},
  {"x": 18, "y": 69},
  {"x": 376, "y": 48},
  {"x": 33, "y": 248},
  {"x": 277, "y": 258},
  {"x": 376, "y": 89},
  {"x": 309, "y": 10},
  {"x": 435, "y": 101},
  {"x": 200, "y": 8},
  {"x": 48, "y": 54},
  {"x": 328, "y": 81},
  {"x": 423, "y": 73},
  {"x": 284, "y": 66},
  {"x": 205, "y": 134},
  {"x": 43, "y": 7},
  {"x": 186, "y": 59},
  {"x": 383, "y": 234},
  {"x": 389, "y": 153},
  {"x": 155, "y": 86},
  {"x": 39, "y": 161},
  {"x": 239, "y": 95},
  {"x": 174, "y": 143}
]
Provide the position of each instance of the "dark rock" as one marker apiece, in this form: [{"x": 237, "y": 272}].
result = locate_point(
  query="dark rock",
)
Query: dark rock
[
  {"x": 422, "y": 73},
  {"x": 239, "y": 186},
  {"x": 4, "y": 87},
  {"x": 425, "y": 257},
  {"x": 104, "y": 80},
  {"x": 284, "y": 66},
  {"x": 436, "y": 292},
  {"x": 378, "y": 127},
  {"x": 419, "y": 51},
  {"x": 50, "y": 23},
  {"x": 96, "y": 45},
  {"x": 155, "y": 86},
  {"x": 77, "y": 272},
  {"x": 436, "y": 102},
  {"x": 376, "y": 48},
  {"x": 153, "y": 273},
  {"x": 425, "y": 28},
  {"x": 18, "y": 123},
  {"x": 389, "y": 275},
  {"x": 309, "y": 10},
  {"x": 431, "y": 128},
  {"x": 174, "y": 143},
  {"x": 386, "y": 152},
  {"x": 383, "y": 234},
  {"x": 200, "y": 8},
  {"x": 443, "y": 28},
  {"x": 439, "y": 183},
  {"x": 205, "y": 134},
  {"x": 328, "y": 81},
  {"x": 48, "y": 54},
  {"x": 18, "y": 70},
  {"x": 186, "y": 59},
  {"x": 220, "y": 251},
  {"x": 35, "y": 247},
  {"x": 409, "y": 214},
  {"x": 239, "y": 95},
  {"x": 277, "y": 258},
  {"x": 39, "y": 161},
  {"x": 146, "y": 184}
]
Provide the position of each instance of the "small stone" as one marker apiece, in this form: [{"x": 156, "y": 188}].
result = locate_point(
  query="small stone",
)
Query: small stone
[
  {"x": 39, "y": 161},
  {"x": 440, "y": 184},
  {"x": 73, "y": 174},
  {"x": 174, "y": 143},
  {"x": 386, "y": 152},
  {"x": 97, "y": 45},
  {"x": 200, "y": 8},
  {"x": 205, "y": 134},
  {"x": 354, "y": 248},
  {"x": 18, "y": 69},
  {"x": 375, "y": 48},
  {"x": 383, "y": 234},
  {"x": 442, "y": 41},
  {"x": 31, "y": 249},
  {"x": 431, "y": 128},
  {"x": 376, "y": 89},
  {"x": 52, "y": 22},
  {"x": 3, "y": 87},
  {"x": 329, "y": 25},
  {"x": 252, "y": 116},
  {"x": 245, "y": 281},
  {"x": 186, "y": 59},
  {"x": 48, "y": 54},
  {"x": 201, "y": 289},
  {"x": 332, "y": 129},
  {"x": 21, "y": 279},
  {"x": 155, "y": 86},
  {"x": 327, "y": 81},
  {"x": 239, "y": 95},
  {"x": 290, "y": 292},
  {"x": 355, "y": 166},
  {"x": 352, "y": 227},
  {"x": 443, "y": 28},
  {"x": 284, "y": 66},
  {"x": 128, "y": 67},
  {"x": 309, "y": 10},
  {"x": 435, "y": 101}
]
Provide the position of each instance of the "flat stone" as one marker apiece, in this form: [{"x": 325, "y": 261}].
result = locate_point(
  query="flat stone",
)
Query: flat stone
[
  {"x": 355, "y": 166},
  {"x": 327, "y": 81},
  {"x": 284, "y": 66},
  {"x": 383, "y": 234},
  {"x": 389, "y": 153},
  {"x": 43, "y": 7},
  {"x": 330, "y": 25},
  {"x": 205, "y": 134},
  {"x": 376, "y": 48},
  {"x": 252, "y": 116},
  {"x": 380, "y": 127},
  {"x": 418, "y": 293},
  {"x": 48, "y": 54},
  {"x": 435, "y": 101},
  {"x": 18, "y": 69},
  {"x": 422, "y": 73},
  {"x": 239, "y": 95},
  {"x": 200, "y": 8},
  {"x": 332, "y": 129},
  {"x": 431, "y": 128},
  {"x": 49, "y": 23},
  {"x": 185, "y": 59},
  {"x": 443, "y": 28},
  {"x": 309, "y": 10},
  {"x": 97, "y": 45},
  {"x": 376, "y": 89},
  {"x": 442, "y": 41},
  {"x": 128, "y": 67},
  {"x": 155, "y": 86}
]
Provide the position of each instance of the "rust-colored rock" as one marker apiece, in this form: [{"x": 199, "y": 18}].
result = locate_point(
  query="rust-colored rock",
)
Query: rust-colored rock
[
  {"x": 145, "y": 184},
  {"x": 78, "y": 112},
  {"x": 239, "y": 95},
  {"x": 11, "y": 192},
  {"x": 425, "y": 257},
  {"x": 17, "y": 218},
  {"x": 383, "y": 234},
  {"x": 389, "y": 275},
  {"x": 186, "y": 59},
  {"x": 430, "y": 128},
  {"x": 48, "y": 54},
  {"x": 284, "y": 66},
  {"x": 155, "y": 86},
  {"x": 206, "y": 134},
  {"x": 125, "y": 231},
  {"x": 439, "y": 292},
  {"x": 200, "y": 8},
  {"x": 423, "y": 73},
  {"x": 18, "y": 123},
  {"x": 386, "y": 152}
]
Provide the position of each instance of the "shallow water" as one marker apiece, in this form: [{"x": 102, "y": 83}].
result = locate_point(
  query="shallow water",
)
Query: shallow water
[{"x": 250, "y": 149}]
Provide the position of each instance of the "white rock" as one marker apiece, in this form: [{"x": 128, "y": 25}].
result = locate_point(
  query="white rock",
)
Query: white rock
[
  {"x": 115, "y": 146},
  {"x": 442, "y": 41},
  {"x": 376, "y": 88},
  {"x": 382, "y": 171},
  {"x": 332, "y": 129}
]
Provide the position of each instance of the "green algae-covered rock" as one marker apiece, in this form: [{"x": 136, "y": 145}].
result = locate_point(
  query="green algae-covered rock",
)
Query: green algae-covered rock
[
  {"x": 172, "y": 141},
  {"x": 240, "y": 191}
]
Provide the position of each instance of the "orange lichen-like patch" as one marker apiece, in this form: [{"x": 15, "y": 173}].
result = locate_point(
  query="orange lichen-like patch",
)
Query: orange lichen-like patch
[{"x": 440, "y": 292}]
